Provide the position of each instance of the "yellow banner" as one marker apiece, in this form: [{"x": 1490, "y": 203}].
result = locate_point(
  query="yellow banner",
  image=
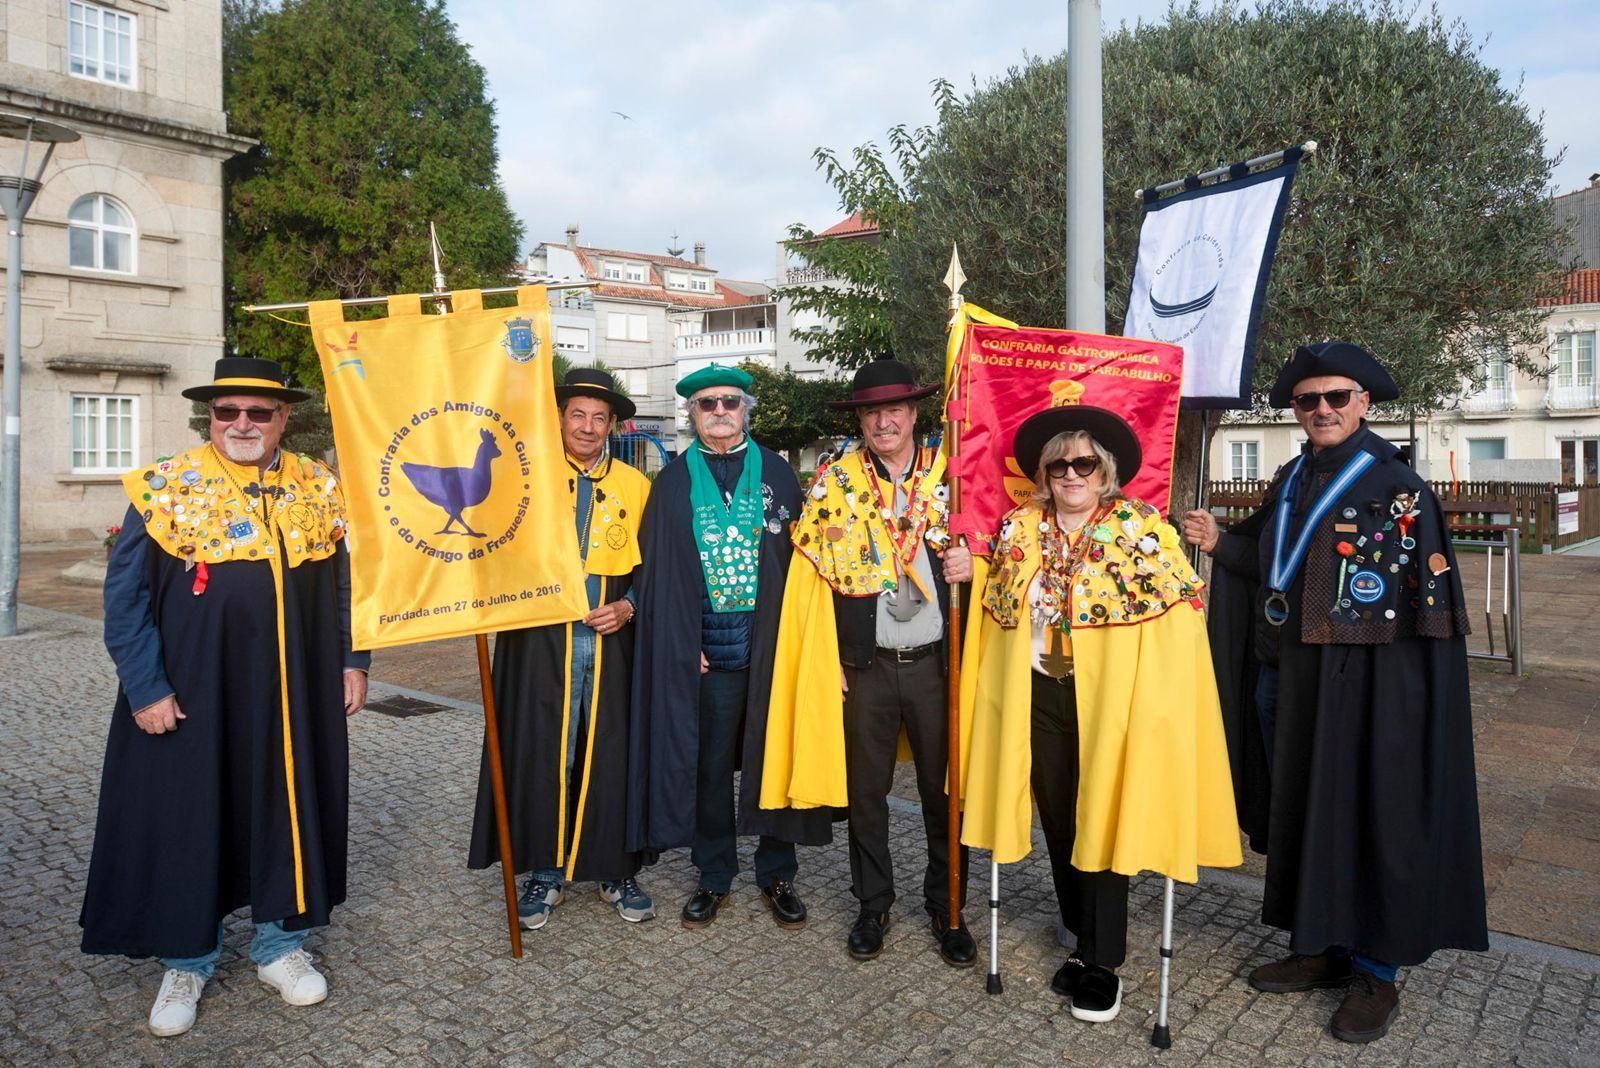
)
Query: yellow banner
[{"x": 450, "y": 454}]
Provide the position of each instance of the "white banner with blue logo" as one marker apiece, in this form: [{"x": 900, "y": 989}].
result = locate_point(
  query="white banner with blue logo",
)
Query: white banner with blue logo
[{"x": 1201, "y": 278}]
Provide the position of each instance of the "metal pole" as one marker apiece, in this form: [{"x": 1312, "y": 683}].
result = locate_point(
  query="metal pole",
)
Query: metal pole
[
  {"x": 436, "y": 295},
  {"x": 1086, "y": 194},
  {"x": 993, "y": 985},
  {"x": 1161, "y": 1036},
  {"x": 11, "y": 498},
  {"x": 1514, "y": 571}
]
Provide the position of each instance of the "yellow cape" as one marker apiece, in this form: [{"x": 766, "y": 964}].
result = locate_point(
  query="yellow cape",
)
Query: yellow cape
[{"x": 1154, "y": 789}]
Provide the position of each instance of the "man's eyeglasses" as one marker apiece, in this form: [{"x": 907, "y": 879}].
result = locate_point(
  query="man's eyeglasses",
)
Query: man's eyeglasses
[
  {"x": 1336, "y": 398},
  {"x": 728, "y": 402},
  {"x": 228, "y": 413},
  {"x": 1082, "y": 466}
]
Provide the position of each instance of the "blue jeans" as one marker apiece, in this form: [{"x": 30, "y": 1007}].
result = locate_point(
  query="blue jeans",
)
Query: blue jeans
[
  {"x": 1361, "y": 962},
  {"x": 269, "y": 944}
]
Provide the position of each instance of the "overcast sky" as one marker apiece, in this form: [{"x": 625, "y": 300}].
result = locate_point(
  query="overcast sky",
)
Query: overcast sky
[{"x": 726, "y": 101}]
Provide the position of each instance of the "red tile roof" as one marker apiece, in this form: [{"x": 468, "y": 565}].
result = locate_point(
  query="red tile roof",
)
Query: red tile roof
[
  {"x": 854, "y": 225},
  {"x": 1582, "y": 287}
]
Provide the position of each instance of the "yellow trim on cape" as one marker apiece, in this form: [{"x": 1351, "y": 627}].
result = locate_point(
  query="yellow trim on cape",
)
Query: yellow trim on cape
[
  {"x": 196, "y": 504},
  {"x": 588, "y": 752},
  {"x": 613, "y": 522},
  {"x": 1154, "y": 788}
]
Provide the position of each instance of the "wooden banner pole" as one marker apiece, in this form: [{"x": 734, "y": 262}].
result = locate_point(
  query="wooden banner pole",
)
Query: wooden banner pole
[{"x": 491, "y": 733}]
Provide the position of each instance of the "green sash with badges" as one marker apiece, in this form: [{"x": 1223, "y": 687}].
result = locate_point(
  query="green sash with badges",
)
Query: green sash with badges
[{"x": 728, "y": 535}]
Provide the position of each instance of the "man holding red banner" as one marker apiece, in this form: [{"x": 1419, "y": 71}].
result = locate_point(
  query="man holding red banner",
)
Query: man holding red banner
[{"x": 872, "y": 603}]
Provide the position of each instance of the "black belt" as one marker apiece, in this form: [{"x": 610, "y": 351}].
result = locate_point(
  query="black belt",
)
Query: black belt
[{"x": 909, "y": 656}]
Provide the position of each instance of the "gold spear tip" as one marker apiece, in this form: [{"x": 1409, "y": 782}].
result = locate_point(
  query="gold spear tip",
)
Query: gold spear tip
[{"x": 954, "y": 278}]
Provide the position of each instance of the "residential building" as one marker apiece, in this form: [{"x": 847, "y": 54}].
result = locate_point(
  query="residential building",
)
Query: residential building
[
  {"x": 652, "y": 319},
  {"x": 1579, "y": 213},
  {"x": 795, "y": 273},
  {"x": 122, "y": 250},
  {"x": 1517, "y": 427}
]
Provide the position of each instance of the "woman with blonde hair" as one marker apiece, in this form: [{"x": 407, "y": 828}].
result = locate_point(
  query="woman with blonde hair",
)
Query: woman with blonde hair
[{"x": 1094, "y": 687}]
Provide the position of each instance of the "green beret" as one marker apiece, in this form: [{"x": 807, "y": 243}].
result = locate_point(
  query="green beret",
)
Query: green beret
[{"x": 715, "y": 375}]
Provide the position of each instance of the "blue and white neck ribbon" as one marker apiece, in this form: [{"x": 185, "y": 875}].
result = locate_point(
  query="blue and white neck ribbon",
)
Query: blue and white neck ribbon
[{"x": 1283, "y": 569}]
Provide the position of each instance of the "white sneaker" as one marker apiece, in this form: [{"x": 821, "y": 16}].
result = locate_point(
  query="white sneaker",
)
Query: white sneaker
[
  {"x": 293, "y": 977},
  {"x": 174, "y": 1010}
]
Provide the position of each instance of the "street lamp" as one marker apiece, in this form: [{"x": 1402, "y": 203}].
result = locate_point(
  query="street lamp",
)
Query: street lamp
[{"x": 17, "y": 190}]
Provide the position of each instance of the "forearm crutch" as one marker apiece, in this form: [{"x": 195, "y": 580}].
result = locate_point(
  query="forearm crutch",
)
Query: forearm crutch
[
  {"x": 993, "y": 984},
  {"x": 1161, "y": 1036}
]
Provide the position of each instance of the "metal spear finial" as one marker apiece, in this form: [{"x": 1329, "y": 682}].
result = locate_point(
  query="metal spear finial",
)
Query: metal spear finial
[{"x": 955, "y": 278}]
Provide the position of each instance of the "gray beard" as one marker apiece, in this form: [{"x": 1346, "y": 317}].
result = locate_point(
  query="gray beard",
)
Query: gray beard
[{"x": 244, "y": 450}]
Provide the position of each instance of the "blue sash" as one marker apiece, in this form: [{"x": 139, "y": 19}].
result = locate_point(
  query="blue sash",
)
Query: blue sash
[{"x": 1284, "y": 568}]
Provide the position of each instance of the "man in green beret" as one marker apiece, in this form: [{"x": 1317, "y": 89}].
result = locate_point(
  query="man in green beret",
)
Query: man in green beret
[{"x": 715, "y": 542}]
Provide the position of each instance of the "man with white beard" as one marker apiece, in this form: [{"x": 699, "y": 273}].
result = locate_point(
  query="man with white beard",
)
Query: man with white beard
[{"x": 225, "y": 784}]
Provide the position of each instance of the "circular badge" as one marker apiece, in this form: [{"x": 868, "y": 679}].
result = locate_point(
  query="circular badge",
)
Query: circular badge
[
  {"x": 616, "y": 535},
  {"x": 1366, "y": 586}
]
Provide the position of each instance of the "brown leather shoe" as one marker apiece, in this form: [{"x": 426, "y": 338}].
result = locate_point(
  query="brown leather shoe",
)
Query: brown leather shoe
[
  {"x": 1368, "y": 1009},
  {"x": 1299, "y": 972}
]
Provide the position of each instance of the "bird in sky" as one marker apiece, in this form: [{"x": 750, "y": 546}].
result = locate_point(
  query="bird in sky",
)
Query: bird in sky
[{"x": 620, "y": 115}]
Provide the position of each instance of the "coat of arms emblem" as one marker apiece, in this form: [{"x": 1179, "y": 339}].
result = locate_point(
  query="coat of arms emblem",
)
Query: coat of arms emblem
[{"x": 520, "y": 342}]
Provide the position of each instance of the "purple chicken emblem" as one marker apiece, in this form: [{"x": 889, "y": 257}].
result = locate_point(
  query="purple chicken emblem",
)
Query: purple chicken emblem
[{"x": 456, "y": 489}]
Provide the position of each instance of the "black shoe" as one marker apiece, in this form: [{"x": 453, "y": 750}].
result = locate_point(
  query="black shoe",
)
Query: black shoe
[
  {"x": 788, "y": 911},
  {"x": 956, "y": 946},
  {"x": 1368, "y": 1009},
  {"x": 702, "y": 907},
  {"x": 866, "y": 937},
  {"x": 1298, "y": 972},
  {"x": 1098, "y": 997},
  {"x": 1068, "y": 976}
]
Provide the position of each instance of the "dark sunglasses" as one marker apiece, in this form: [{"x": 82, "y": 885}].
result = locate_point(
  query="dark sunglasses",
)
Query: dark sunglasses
[
  {"x": 728, "y": 403},
  {"x": 1336, "y": 398},
  {"x": 1082, "y": 466},
  {"x": 228, "y": 413}
]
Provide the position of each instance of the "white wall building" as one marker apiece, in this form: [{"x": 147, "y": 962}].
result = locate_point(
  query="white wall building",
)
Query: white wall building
[
  {"x": 122, "y": 250},
  {"x": 1517, "y": 427}
]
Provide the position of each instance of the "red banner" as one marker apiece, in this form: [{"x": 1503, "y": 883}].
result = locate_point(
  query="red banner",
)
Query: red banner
[{"x": 1006, "y": 375}]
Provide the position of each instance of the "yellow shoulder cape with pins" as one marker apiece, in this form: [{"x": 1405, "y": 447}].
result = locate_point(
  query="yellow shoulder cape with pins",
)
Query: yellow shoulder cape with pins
[
  {"x": 1154, "y": 790},
  {"x": 848, "y": 544},
  {"x": 614, "y": 514}
]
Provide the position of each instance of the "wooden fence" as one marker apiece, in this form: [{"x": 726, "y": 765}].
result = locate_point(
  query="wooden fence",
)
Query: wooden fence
[{"x": 1473, "y": 508}]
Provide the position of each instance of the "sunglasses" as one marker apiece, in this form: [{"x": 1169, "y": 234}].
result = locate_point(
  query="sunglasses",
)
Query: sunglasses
[
  {"x": 228, "y": 413},
  {"x": 728, "y": 403},
  {"x": 1082, "y": 466},
  {"x": 1336, "y": 398}
]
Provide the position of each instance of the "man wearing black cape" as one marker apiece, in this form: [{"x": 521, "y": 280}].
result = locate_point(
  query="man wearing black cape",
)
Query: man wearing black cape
[
  {"x": 716, "y": 556},
  {"x": 1338, "y": 629},
  {"x": 226, "y": 777},
  {"x": 562, "y": 690}
]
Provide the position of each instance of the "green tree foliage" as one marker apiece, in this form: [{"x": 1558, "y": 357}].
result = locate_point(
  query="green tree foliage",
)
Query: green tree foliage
[
  {"x": 1420, "y": 228},
  {"x": 792, "y": 412},
  {"x": 373, "y": 121}
]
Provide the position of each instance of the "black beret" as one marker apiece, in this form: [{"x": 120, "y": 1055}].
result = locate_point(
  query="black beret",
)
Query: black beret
[{"x": 1333, "y": 358}]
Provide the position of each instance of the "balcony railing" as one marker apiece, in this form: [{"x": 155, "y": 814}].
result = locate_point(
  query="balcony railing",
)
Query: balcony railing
[
  {"x": 799, "y": 276},
  {"x": 1572, "y": 396},
  {"x": 752, "y": 342},
  {"x": 1492, "y": 399}
]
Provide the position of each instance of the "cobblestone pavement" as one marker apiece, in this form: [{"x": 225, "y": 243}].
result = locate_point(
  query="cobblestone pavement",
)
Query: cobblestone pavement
[{"x": 421, "y": 973}]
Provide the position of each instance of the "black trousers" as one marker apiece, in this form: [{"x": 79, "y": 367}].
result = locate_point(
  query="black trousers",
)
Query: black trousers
[
  {"x": 1094, "y": 904},
  {"x": 716, "y": 844},
  {"x": 881, "y": 698}
]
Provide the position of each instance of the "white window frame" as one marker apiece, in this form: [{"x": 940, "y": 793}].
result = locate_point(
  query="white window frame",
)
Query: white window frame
[
  {"x": 635, "y": 380},
  {"x": 611, "y": 271},
  {"x": 95, "y": 408},
  {"x": 101, "y": 229},
  {"x": 1574, "y": 361},
  {"x": 677, "y": 280},
  {"x": 627, "y": 326},
  {"x": 635, "y": 273},
  {"x": 572, "y": 338},
  {"x": 93, "y": 27},
  {"x": 700, "y": 285},
  {"x": 1243, "y": 445}
]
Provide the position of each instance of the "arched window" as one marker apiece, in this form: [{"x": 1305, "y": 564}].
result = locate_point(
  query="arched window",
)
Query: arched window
[{"x": 100, "y": 235}]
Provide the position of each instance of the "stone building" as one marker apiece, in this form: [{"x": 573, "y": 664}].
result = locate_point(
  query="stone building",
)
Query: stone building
[{"x": 122, "y": 251}]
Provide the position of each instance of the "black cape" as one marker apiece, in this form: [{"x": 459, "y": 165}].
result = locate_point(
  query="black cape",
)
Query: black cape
[
  {"x": 1370, "y": 813},
  {"x": 530, "y": 667},
  {"x": 195, "y": 823},
  {"x": 663, "y": 748}
]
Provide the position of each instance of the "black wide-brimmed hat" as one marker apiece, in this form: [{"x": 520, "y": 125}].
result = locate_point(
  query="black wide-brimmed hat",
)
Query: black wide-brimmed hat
[
  {"x": 883, "y": 382},
  {"x": 592, "y": 382},
  {"x": 1106, "y": 427},
  {"x": 1340, "y": 358},
  {"x": 246, "y": 376}
]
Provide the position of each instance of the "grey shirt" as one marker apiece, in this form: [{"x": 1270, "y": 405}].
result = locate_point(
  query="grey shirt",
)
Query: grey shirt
[{"x": 907, "y": 619}]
